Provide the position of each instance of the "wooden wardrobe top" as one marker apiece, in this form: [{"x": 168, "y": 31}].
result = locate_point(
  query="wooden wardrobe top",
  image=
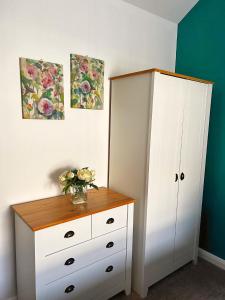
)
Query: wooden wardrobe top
[
  {"x": 40, "y": 214},
  {"x": 161, "y": 72}
]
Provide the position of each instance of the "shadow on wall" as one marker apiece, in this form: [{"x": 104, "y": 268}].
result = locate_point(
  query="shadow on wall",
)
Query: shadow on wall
[{"x": 54, "y": 177}]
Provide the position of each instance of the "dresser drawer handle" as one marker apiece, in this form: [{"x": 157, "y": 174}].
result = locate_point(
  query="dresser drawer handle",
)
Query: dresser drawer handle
[
  {"x": 69, "y": 289},
  {"x": 110, "y": 245},
  {"x": 69, "y": 234},
  {"x": 70, "y": 261},
  {"x": 110, "y": 221},
  {"x": 109, "y": 269}
]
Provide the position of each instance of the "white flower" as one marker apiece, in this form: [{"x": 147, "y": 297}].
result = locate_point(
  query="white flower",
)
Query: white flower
[
  {"x": 93, "y": 174},
  {"x": 62, "y": 177},
  {"x": 70, "y": 175},
  {"x": 86, "y": 175}
]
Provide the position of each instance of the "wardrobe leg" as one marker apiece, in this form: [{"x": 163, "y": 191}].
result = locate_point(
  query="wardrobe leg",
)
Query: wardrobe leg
[
  {"x": 195, "y": 261},
  {"x": 144, "y": 293}
]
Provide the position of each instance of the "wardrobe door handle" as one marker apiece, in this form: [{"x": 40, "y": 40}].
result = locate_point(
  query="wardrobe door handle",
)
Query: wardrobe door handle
[
  {"x": 110, "y": 245},
  {"x": 110, "y": 221},
  {"x": 176, "y": 177},
  {"x": 69, "y": 261},
  {"x": 69, "y": 289},
  {"x": 109, "y": 269},
  {"x": 182, "y": 176},
  {"x": 69, "y": 234}
]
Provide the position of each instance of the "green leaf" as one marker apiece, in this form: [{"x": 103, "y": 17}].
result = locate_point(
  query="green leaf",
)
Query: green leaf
[
  {"x": 66, "y": 188},
  {"x": 77, "y": 91},
  {"x": 60, "y": 115},
  {"x": 25, "y": 80},
  {"x": 74, "y": 171},
  {"x": 47, "y": 94},
  {"x": 38, "y": 65},
  {"x": 31, "y": 61},
  {"x": 74, "y": 102},
  {"x": 61, "y": 96},
  {"x": 94, "y": 186}
]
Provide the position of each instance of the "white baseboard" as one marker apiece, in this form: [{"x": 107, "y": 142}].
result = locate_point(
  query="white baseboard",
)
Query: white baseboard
[
  {"x": 13, "y": 298},
  {"x": 213, "y": 259}
]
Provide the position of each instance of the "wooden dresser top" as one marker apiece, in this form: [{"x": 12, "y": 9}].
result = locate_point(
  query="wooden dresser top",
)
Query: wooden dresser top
[{"x": 40, "y": 214}]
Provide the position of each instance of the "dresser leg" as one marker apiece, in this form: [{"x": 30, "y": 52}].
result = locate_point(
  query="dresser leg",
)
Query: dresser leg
[{"x": 128, "y": 291}]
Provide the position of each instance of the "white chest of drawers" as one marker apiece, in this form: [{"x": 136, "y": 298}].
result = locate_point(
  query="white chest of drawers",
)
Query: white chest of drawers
[{"x": 74, "y": 252}]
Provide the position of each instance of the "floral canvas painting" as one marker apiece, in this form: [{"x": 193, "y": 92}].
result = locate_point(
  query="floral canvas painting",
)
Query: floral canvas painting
[
  {"x": 87, "y": 82},
  {"x": 41, "y": 89}
]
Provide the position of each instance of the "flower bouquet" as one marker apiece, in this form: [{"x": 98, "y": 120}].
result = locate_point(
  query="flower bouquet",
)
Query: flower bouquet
[{"x": 76, "y": 182}]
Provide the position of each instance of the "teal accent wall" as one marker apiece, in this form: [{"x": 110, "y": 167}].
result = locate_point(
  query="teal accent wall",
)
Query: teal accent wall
[{"x": 201, "y": 53}]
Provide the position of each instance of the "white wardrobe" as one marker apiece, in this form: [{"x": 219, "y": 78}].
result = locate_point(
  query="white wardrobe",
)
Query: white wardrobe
[{"x": 158, "y": 139}]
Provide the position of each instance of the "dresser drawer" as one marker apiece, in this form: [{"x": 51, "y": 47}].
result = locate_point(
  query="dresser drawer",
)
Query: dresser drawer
[
  {"x": 109, "y": 220},
  {"x": 65, "y": 262},
  {"x": 58, "y": 237},
  {"x": 84, "y": 284}
]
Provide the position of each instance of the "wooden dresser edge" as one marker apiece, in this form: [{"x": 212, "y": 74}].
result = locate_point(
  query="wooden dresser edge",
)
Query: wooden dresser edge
[{"x": 36, "y": 228}]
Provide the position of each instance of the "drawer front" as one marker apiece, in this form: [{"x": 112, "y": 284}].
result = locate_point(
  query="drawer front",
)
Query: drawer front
[
  {"x": 56, "y": 238},
  {"x": 86, "y": 283},
  {"x": 65, "y": 262},
  {"x": 107, "y": 221}
]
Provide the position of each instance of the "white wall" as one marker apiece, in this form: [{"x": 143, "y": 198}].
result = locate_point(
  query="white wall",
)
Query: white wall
[{"x": 32, "y": 151}]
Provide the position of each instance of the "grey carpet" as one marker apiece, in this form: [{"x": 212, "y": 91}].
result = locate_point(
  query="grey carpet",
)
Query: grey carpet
[{"x": 201, "y": 282}]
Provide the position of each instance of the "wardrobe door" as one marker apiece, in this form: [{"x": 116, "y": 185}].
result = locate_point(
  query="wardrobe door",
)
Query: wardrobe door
[
  {"x": 164, "y": 159},
  {"x": 190, "y": 186}
]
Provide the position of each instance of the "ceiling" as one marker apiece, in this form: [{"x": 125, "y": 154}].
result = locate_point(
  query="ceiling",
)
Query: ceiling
[{"x": 173, "y": 10}]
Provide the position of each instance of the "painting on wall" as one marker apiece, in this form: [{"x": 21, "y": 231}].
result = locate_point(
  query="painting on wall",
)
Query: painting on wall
[
  {"x": 41, "y": 89},
  {"x": 87, "y": 82}
]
